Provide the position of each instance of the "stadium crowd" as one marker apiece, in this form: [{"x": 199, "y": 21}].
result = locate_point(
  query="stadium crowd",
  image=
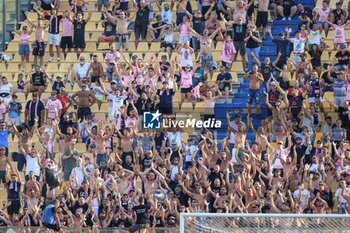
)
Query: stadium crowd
[{"x": 131, "y": 177}]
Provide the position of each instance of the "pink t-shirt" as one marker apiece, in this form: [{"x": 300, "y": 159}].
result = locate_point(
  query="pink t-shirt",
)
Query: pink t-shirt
[
  {"x": 339, "y": 36},
  {"x": 282, "y": 154},
  {"x": 112, "y": 57},
  {"x": 347, "y": 90},
  {"x": 53, "y": 108},
  {"x": 228, "y": 51},
  {"x": 130, "y": 122},
  {"x": 24, "y": 39},
  {"x": 184, "y": 30},
  {"x": 323, "y": 14},
  {"x": 2, "y": 112},
  {"x": 139, "y": 80},
  {"x": 186, "y": 79},
  {"x": 67, "y": 27}
]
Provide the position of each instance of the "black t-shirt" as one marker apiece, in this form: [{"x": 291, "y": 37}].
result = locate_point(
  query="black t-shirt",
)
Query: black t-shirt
[
  {"x": 326, "y": 79},
  {"x": 295, "y": 102},
  {"x": 281, "y": 46},
  {"x": 84, "y": 207},
  {"x": 307, "y": 13},
  {"x": 34, "y": 109},
  {"x": 141, "y": 213},
  {"x": 343, "y": 58},
  {"x": 57, "y": 86},
  {"x": 109, "y": 29},
  {"x": 79, "y": 28},
  {"x": 81, "y": 192},
  {"x": 300, "y": 152},
  {"x": 166, "y": 97},
  {"x": 55, "y": 24},
  {"x": 143, "y": 106},
  {"x": 158, "y": 140},
  {"x": 337, "y": 15},
  {"x": 273, "y": 97},
  {"x": 226, "y": 77},
  {"x": 64, "y": 126},
  {"x": 251, "y": 43},
  {"x": 198, "y": 24},
  {"x": 13, "y": 190},
  {"x": 316, "y": 57},
  {"x": 156, "y": 25},
  {"x": 239, "y": 32},
  {"x": 266, "y": 71},
  {"x": 164, "y": 67},
  {"x": 142, "y": 16},
  {"x": 126, "y": 223},
  {"x": 344, "y": 116},
  {"x": 38, "y": 79}
]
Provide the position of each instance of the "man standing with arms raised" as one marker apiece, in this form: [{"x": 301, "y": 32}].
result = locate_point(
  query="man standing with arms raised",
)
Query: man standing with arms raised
[{"x": 86, "y": 99}]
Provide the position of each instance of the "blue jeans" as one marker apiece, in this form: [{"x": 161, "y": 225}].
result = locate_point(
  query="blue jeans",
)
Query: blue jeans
[{"x": 251, "y": 60}]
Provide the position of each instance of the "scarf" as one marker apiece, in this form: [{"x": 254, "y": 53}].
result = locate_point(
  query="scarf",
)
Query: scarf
[
  {"x": 13, "y": 185},
  {"x": 35, "y": 111}
]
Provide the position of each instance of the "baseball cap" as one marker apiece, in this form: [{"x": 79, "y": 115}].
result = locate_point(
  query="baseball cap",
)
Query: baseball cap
[
  {"x": 280, "y": 142},
  {"x": 343, "y": 46},
  {"x": 113, "y": 82},
  {"x": 35, "y": 94}
]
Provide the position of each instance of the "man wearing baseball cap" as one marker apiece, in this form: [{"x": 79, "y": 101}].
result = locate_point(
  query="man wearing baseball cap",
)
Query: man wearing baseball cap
[{"x": 34, "y": 108}]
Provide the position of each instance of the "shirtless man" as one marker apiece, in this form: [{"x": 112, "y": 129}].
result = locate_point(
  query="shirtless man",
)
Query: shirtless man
[
  {"x": 39, "y": 49},
  {"x": 85, "y": 100},
  {"x": 254, "y": 87},
  {"x": 239, "y": 9},
  {"x": 206, "y": 48},
  {"x": 24, "y": 141},
  {"x": 125, "y": 177},
  {"x": 101, "y": 141},
  {"x": 262, "y": 16},
  {"x": 122, "y": 36},
  {"x": 209, "y": 103},
  {"x": 4, "y": 161},
  {"x": 151, "y": 180},
  {"x": 96, "y": 68}
]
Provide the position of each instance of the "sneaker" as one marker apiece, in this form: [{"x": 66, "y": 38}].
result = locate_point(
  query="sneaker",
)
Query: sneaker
[
  {"x": 58, "y": 59},
  {"x": 289, "y": 18},
  {"x": 50, "y": 59},
  {"x": 284, "y": 18}
]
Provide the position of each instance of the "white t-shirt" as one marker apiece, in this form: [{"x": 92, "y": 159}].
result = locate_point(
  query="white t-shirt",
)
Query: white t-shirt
[
  {"x": 53, "y": 107},
  {"x": 315, "y": 37},
  {"x": 282, "y": 154},
  {"x": 32, "y": 165},
  {"x": 114, "y": 103},
  {"x": 186, "y": 57},
  {"x": 189, "y": 151},
  {"x": 167, "y": 16},
  {"x": 79, "y": 174},
  {"x": 174, "y": 138},
  {"x": 341, "y": 199},
  {"x": 304, "y": 199},
  {"x": 81, "y": 70},
  {"x": 298, "y": 45},
  {"x": 5, "y": 88}
]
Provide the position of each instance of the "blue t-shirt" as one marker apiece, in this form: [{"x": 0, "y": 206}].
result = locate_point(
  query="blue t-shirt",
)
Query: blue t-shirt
[
  {"x": 48, "y": 215},
  {"x": 4, "y": 138},
  {"x": 14, "y": 109}
]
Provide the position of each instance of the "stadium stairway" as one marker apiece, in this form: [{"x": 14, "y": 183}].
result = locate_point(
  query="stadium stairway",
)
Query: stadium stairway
[{"x": 240, "y": 97}]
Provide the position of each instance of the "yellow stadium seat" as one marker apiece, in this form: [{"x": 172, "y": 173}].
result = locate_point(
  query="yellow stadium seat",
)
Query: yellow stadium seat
[
  {"x": 71, "y": 57},
  {"x": 237, "y": 66},
  {"x": 13, "y": 67},
  {"x": 90, "y": 47},
  {"x": 324, "y": 56},
  {"x": 90, "y": 27},
  {"x": 155, "y": 46},
  {"x": 2, "y": 67},
  {"x": 52, "y": 68},
  {"x": 12, "y": 47},
  {"x": 142, "y": 47},
  {"x": 103, "y": 46}
]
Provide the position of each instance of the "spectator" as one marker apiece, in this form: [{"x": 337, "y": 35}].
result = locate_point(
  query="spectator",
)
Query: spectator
[
  {"x": 79, "y": 24},
  {"x": 34, "y": 109},
  {"x": 287, "y": 9},
  {"x": 252, "y": 41},
  {"x": 23, "y": 44},
  {"x": 109, "y": 30}
]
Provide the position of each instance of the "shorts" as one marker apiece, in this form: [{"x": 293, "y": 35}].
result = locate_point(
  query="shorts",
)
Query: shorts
[
  {"x": 104, "y": 38},
  {"x": 286, "y": 10},
  {"x": 18, "y": 121},
  {"x": 122, "y": 39},
  {"x": 339, "y": 100},
  {"x": 14, "y": 207},
  {"x": 93, "y": 78},
  {"x": 83, "y": 112},
  {"x": 101, "y": 158},
  {"x": 54, "y": 39},
  {"x": 54, "y": 227},
  {"x": 253, "y": 95},
  {"x": 38, "y": 48},
  {"x": 313, "y": 100},
  {"x": 240, "y": 47},
  {"x": 99, "y": 99},
  {"x": 167, "y": 45},
  {"x": 186, "y": 90},
  {"x": 66, "y": 42},
  {"x": 23, "y": 49},
  {"x": 226, "y": 64},
  {"x": 184, "y": 39},
  {"x": 140, "y": 31},
  {"x": 207, "y": 61},
  {"x": 321, "y": 23},
  {"x": 103, "y": 3},
  {"x": 79, "y": 42},
  {"x": 261, "y": 19}
]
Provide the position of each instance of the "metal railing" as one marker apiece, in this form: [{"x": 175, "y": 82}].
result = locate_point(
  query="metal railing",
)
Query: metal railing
[{"x": 9, "y": 10}]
